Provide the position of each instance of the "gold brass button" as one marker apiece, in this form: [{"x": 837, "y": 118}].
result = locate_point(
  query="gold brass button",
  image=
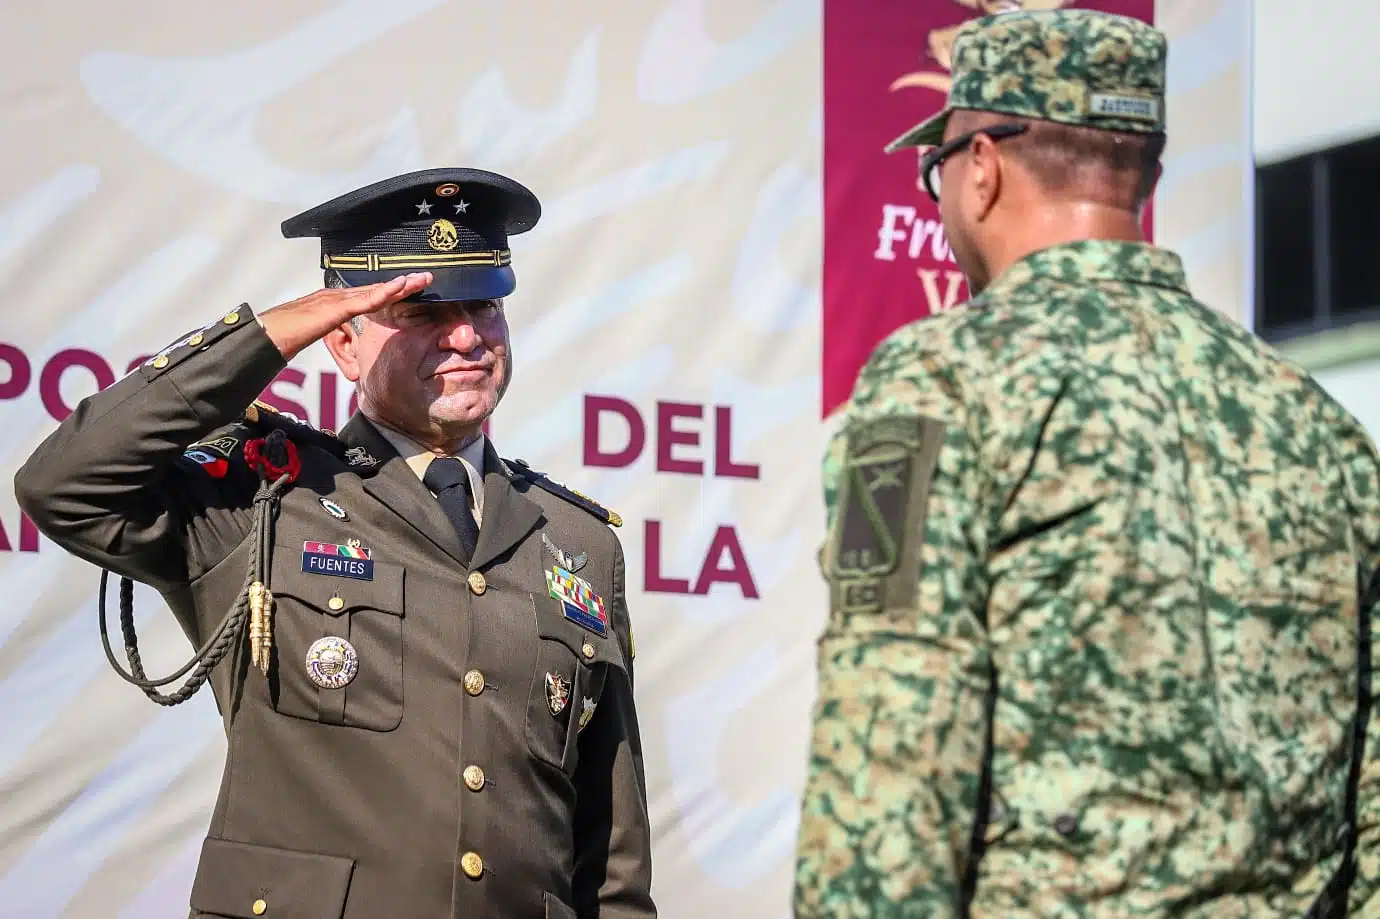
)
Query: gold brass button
[
  {"x": 477, "y": 582},
  {"x": 336, "y": 603},
  {"x": 196, "y": 339},
  {"x": 472, "y": 864},
  {"x": 587, "y": 650},
  {"x": 474, "y": 682},
  {"x": 161, "y": 361},
  {"x": 474, "y": 778},
  {"x": 232, "y": 318},
  {"x": 260, "y": 907}
]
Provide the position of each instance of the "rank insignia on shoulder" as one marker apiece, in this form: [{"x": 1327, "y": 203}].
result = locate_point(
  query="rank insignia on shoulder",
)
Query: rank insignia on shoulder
[
  {"x": 259, "y": 414},
  {"x": 259, "y": 410},
  {"x": 561, "y": 490},
  {"x": 256, "y": 410}
]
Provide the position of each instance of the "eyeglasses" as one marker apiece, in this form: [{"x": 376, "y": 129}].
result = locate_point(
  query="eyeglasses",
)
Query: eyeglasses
[{"x": 931, "y": 161}]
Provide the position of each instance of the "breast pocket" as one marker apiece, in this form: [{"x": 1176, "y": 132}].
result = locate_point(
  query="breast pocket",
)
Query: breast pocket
[
  {"x": 567, "y": 682},
  {"x": 338, "y": 647}
]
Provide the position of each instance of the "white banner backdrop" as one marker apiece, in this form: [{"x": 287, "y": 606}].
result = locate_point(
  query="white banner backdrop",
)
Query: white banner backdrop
[{"x": 667, "y": 341}]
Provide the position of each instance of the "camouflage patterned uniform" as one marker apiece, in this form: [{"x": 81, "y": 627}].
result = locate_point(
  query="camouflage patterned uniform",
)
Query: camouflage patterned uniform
[{"x": 1095, "y": 560}]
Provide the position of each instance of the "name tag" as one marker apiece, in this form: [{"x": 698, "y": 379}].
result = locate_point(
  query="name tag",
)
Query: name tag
[{"x": 337, "y": 561}]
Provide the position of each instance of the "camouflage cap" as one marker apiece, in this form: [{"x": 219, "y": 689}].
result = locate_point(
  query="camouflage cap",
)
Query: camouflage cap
[{"x": 1078, "y": 67}]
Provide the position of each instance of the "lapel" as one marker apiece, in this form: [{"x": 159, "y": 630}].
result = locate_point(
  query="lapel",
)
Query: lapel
[
  {"x": 509, "y": 515},
  {"x": 394, "y": 485}
]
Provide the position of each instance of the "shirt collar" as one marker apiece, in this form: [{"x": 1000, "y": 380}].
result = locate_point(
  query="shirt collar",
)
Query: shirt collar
[
  {"x": 1096, "y": 260},
  {"x": 418, "y": 458}
]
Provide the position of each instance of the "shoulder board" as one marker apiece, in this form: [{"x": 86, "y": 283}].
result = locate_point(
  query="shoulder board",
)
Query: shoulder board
[
  {"x": 541, "y": 480},
  {"x": 265, "y": 417}
]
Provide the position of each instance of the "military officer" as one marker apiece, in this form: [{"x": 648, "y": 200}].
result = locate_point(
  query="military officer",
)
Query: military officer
[
  {"x": 421, "y": 651},
  {"x": 1102, "y": 565}
]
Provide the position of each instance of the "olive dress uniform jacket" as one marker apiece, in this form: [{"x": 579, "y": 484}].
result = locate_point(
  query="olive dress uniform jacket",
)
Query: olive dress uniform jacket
[{"x": 483, "y": 762}]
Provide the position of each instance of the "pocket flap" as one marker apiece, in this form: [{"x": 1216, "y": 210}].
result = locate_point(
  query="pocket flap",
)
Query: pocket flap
[
  {"x": 553, "y": 624},
  {"x": 336, "y": 595},
  {"x": 233, "y": 876}
]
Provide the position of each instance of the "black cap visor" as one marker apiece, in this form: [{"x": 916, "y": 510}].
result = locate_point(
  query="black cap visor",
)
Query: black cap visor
[{"x": 448, "y": 285}]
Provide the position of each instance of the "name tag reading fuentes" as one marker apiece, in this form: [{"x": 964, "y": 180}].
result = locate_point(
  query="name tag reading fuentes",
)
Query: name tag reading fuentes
[{"x": 338, "y": 561}]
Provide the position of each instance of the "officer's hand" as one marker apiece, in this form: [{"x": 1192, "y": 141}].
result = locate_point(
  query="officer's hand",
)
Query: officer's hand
[{"x": 294, "y": 325}]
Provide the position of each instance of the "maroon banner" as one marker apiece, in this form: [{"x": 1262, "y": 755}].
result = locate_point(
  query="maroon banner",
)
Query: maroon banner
[{"x": 886, "y": 258}]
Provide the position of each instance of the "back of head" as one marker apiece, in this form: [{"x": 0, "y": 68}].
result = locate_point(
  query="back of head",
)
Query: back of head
[{"x": 1072, "y": 104}]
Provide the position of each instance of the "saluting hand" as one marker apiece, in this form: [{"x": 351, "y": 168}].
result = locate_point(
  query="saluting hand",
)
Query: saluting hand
[{"x": 294, "y": 325}]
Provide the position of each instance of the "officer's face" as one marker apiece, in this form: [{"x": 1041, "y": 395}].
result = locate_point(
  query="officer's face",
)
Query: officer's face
[{"x": 433, "y": 370}]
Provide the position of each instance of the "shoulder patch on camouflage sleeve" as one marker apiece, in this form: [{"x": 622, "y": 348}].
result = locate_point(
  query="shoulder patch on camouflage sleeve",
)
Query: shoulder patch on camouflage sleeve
[
  {"x": 872, "y": 554},
  {"x": 560, "y": 490}
]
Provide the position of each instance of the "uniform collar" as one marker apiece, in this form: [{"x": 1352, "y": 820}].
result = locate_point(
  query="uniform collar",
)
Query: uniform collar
[
  {"x": 418, "y": 458},
  {"x": 1096, "y": 260}
]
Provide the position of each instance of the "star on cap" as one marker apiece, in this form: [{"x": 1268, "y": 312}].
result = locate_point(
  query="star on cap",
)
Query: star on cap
[{"x": 372, "y": 234}]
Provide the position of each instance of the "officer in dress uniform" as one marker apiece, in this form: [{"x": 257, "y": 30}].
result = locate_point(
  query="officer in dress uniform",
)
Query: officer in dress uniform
[{"x": 421, "y": 651}]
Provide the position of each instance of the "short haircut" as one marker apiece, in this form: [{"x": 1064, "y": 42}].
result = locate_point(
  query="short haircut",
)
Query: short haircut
[
  {"x": 1072, "y": 157},
  {"x": 335, "y": 282},
  {"x": 1091, "y": 162}
]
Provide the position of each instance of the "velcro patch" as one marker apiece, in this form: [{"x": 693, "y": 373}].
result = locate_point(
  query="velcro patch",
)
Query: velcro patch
[
  {"x": 1114, "y": 105},
  {"x": 874, "y": 545}
]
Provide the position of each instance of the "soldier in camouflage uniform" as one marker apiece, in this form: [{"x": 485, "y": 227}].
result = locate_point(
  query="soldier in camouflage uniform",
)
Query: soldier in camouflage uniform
[{"x": 1101, "y": 564}]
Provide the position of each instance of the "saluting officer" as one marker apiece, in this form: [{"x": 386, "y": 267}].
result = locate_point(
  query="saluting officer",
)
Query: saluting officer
[{"x": 421, "y": 651}]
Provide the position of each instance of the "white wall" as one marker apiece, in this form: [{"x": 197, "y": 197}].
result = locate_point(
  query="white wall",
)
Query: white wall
[
  {"x": 1316, "y": 73},
  {"x": 1317, "y": 70}
]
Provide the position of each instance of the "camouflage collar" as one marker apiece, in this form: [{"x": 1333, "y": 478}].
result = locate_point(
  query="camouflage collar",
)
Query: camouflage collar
[{"x": 1094, "y": 260}]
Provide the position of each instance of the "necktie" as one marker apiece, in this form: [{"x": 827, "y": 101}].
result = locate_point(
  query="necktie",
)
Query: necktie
[{"x": 446, "y": 477}]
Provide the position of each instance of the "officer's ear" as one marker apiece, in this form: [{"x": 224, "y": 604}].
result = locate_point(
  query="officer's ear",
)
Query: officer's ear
[
  {"x": 343, "y": 343},
  {"x": 984, "y": 173}
]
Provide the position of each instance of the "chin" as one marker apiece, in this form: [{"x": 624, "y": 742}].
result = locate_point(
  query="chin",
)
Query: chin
[{"x": 469, "y": 408}]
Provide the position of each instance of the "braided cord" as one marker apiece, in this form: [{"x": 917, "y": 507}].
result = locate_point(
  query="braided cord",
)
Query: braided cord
[{"x": 231, "y": 629}]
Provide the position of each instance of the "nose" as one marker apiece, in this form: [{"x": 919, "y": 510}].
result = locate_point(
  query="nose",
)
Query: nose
[{"x": 459, "y": 334}]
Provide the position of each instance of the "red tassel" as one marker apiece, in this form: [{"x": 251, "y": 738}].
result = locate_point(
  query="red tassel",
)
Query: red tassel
[{"x": 254, "y": 455}]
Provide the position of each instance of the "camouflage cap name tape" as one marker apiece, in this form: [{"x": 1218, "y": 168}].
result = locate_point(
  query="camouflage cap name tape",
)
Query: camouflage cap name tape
[{"x": 1078, "y": 67}]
